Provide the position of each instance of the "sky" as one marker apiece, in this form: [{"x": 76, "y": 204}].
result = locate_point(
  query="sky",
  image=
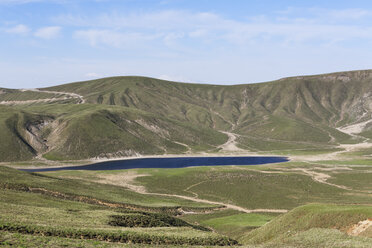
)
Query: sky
[{"x": 50, "y": 42}]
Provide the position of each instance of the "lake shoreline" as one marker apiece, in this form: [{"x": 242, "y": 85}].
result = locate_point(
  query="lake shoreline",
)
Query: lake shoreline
[
  {"x": 166, "y": 162},
  {"x": 66, "y": 163}
]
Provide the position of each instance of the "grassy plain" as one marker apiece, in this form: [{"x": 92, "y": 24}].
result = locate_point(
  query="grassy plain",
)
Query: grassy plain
[
  {"x": 27, "y": 211},
  {"x": 249, "y": 188},
  {"x": 276, "y": 186},
  {"x": 342, "y": 200}
]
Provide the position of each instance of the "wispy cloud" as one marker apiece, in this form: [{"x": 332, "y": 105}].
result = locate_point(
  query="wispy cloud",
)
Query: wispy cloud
[
  {"x": 96, "y": 37},
  {"x": 347, "y": 14},
  {"x": 93, "y": 75},
  {"x": 158, "y": 20},
  {"x": 174, "y": 78},
  {"x": 173, "y": 26},
  {"x": 18, "y": 29},
  {"x": 178, "y": 41},
  {"x": 48, "y": 32}
]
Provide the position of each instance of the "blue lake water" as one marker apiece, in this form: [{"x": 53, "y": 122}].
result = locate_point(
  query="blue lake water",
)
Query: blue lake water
[{"x": 170, "y": 163}]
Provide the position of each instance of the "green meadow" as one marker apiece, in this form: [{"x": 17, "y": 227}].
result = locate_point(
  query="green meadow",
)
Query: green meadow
[{"x": 315, "y": 210}]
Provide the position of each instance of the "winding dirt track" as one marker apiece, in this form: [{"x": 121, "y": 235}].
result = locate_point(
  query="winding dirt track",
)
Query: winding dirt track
[
  {"x": 229, "y": 206},
  {"x": 67, "y": 95}
]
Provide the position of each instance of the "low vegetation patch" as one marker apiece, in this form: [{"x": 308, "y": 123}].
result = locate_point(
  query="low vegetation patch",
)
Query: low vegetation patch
[
  {"x": 143, "y": 219},
  {"x": 116, "y": 236}
]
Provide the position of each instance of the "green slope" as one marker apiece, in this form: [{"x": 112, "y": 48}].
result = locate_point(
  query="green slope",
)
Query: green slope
[
  {"x": 16, "y": 142},
  {"x": 66, "y": 131},
  {"x": 129, "y": 115},
  {"x": 66, "y": 208},
  {"x": 314, "y": 99},
  {"x": 301, "y": 219}
]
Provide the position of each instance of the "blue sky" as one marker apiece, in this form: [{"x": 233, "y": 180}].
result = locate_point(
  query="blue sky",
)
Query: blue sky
[{"x": 45, "y": 43}]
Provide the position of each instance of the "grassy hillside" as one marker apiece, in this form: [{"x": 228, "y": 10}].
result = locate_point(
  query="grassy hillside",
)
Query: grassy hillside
[
  {"x": 19, "y": 95},
  {"x": 340, "y": 217},
  {"x": 124, "y": 116},
  {"x": 69, "y": 131},
  {"x": 332, "y": 99},
  {"x": 314, "y": 98},
  {"x": 15, "y": 142},
  {"x": 93, "y": 211}
]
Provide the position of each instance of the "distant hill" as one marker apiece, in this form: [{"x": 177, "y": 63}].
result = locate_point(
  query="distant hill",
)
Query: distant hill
[{"x": 123, "y": 116}]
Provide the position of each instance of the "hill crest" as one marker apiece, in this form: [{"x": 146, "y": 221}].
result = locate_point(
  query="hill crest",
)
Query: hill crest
[{"x": 306, "y": 112}]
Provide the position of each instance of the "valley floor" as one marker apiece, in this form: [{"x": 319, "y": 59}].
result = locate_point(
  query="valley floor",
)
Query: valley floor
[{"x": 241, "y": 202}]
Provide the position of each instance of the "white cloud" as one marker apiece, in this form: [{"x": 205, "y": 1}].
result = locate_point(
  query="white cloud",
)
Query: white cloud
[
  {"x": 161, "y": 20},
  {"x": 18, "y": 29},
  {"x": 203, "y": 46},
  {"x": 198, "y": 33},
  {"x": 93, "y": 75},
  {"x": 174, "y": 78},
  {"x": 48, "y": 32},
  {"x": 349, "y": 13},
  {"x": 173, "y": 26},
  {"x": 113, "y": 38},
  {"x": 171, "y": 38}
]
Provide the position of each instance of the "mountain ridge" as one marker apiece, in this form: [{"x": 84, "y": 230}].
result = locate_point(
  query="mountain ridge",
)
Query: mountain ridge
[
  {"x": 363, "y": 71},
  {"x": 307, "y": 110}
]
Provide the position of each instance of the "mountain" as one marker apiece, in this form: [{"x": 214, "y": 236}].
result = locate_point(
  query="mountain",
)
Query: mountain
[{"x": 124, "y": 116}]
